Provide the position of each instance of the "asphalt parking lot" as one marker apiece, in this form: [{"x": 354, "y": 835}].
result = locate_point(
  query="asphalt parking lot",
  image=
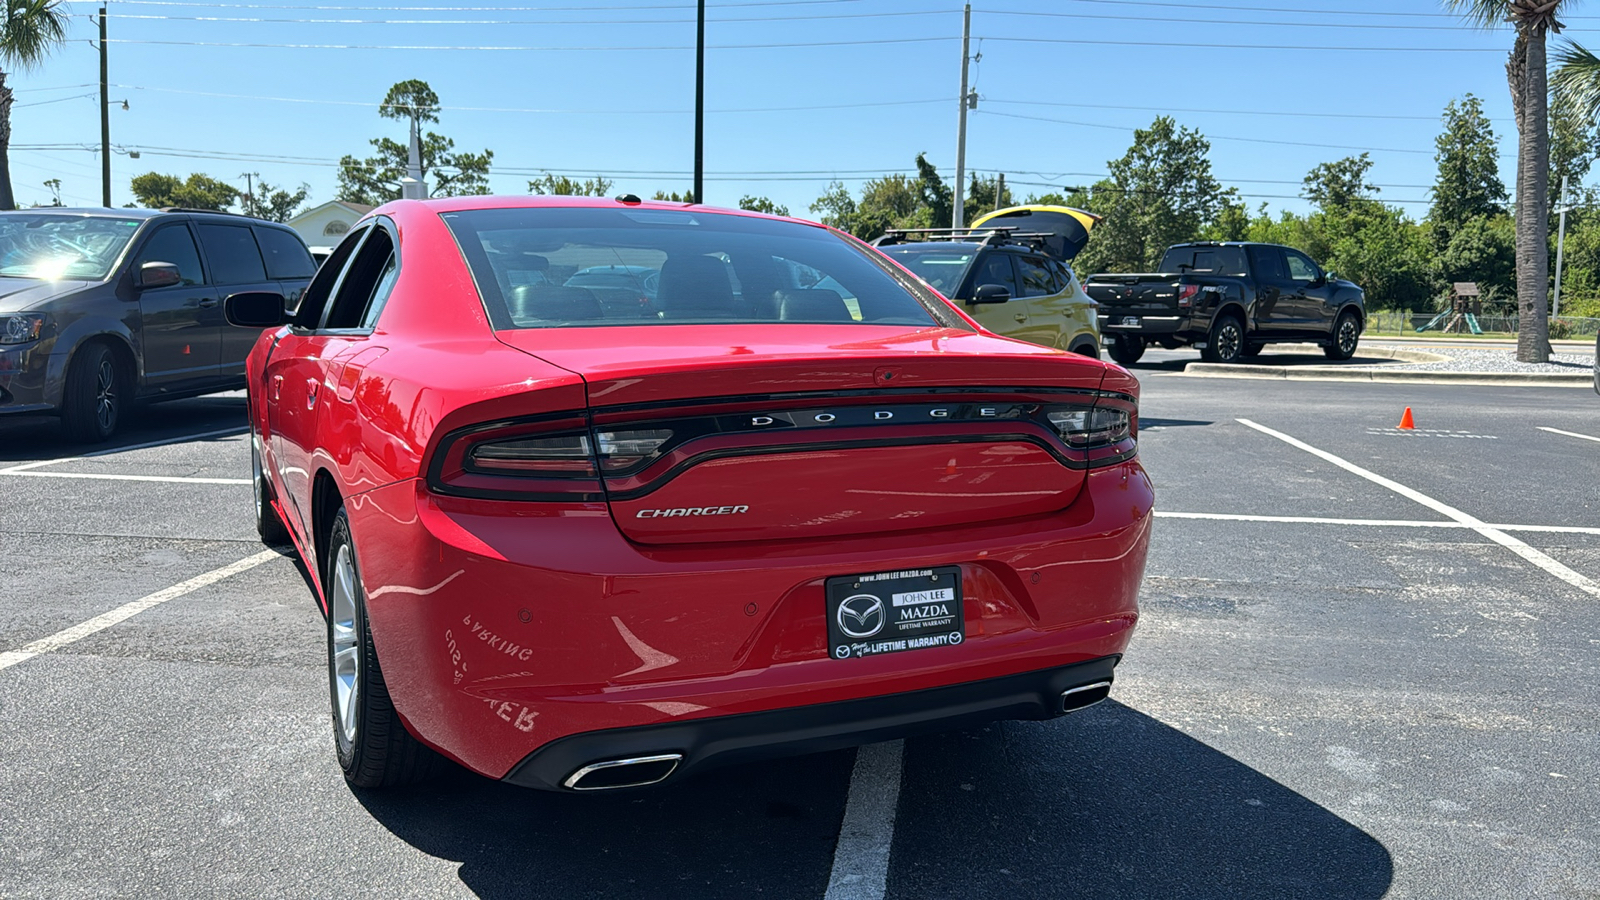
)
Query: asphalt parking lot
[{"x": 1368, "y": 666}]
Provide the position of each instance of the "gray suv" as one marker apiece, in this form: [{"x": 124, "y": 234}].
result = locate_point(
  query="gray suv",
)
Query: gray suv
[{"x": 103, "y": 307}]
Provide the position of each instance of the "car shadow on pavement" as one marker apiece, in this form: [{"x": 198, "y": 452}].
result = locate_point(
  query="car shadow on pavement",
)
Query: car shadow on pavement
[
  {"x": 1106, "y": 803},
  {"x": 40, "y": 437},
  {"x": 1113, "y": 803},
  {"x": 752, "y": 830}
]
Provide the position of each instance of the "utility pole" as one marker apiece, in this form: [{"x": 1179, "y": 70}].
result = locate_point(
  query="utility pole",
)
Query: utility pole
[
  {"x": 105, "y": 118},
  {"x": 1561, "y": 238},
  {"x": 700, "y": 105},
  {"x": 249, "y": 193},
  {"x": 959, "y": 219},
  {"x": 1000, "y": 192}
]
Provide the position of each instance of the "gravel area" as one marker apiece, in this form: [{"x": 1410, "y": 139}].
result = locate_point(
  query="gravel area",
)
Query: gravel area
[{"x": 1496, "y": 360}]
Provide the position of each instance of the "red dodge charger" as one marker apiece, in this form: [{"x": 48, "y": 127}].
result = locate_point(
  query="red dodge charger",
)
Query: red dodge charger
[{"x": 597, "y": 493}]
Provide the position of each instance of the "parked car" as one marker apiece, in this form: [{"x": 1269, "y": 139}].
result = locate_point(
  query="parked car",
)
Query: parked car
[
  {"x": 575, "y": 548},
  {"x": 1010, "y": 272},
  {"x": 1229, "y": 300},
  {"x": 618, "y": 287},
  {"x": 103, "y": 307}
]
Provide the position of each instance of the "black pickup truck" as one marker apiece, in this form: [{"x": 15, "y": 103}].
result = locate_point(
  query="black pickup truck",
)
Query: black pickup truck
[{"x": 1229, "y": 300}]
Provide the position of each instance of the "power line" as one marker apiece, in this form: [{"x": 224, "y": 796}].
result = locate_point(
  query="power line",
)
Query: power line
[
  {"x": 1229, "y": 112},
  {"x": 1300, "y": 24},
  {"x": 56, "y": 100},
  {"x": 1320, "y": 12},
  {"x": 1232, "y": 46},
  {"x": 543, "y": 22},
  {"x": 509, "y": 109},
  {"x": 668, "y": 7},
  {"x": 1215, "y": 137},
  {"x": 876, "y": 42}
]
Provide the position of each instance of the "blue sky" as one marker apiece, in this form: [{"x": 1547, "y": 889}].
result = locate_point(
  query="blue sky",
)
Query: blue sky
[{"x": 797, "y": 93}]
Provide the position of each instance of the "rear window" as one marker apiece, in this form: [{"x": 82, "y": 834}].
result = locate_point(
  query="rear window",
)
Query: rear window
[
  {"x": 233, "y": 254},
  {"x": 1205, "y": 260},
  {"x": 553, "y": 268},
  {"x": 941, "y": 267}
]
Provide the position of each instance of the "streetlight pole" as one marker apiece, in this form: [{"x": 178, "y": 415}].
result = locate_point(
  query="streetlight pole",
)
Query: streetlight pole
[
  {"x": 959, "y": 218},
  {"x": 105, "y": 119},
  {"x": 700, "y": 105}
]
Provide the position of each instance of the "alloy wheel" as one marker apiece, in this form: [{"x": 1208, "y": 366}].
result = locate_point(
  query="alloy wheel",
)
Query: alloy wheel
[
  {"x": 344, "y": 650},
  {"x": 1347, "y": 336},
  {"x": 105, "y": 395},
  {"x": 1229, "y": 341}
]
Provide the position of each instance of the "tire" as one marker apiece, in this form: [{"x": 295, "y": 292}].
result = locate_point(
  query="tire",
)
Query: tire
[
  {"x": 1126, "y": 349},
  {"x": 1251, "y": 350},
  {"x": 1087, "y": 348},
  {"x": 1225, "y": 343},
  {"x": 268, "y": 524},
  {"x": 97, "y": 394},
  {"x": 1346, "y": 335},
  {"x": 374, "y": 748}
]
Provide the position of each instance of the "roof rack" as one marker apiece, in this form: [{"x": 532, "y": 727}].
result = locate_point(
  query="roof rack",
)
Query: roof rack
[
  {"x": 986, "y": 236},
  {"x": 194, "y": 209}
]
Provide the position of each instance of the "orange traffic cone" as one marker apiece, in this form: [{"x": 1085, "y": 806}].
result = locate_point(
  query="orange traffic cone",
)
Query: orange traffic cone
[{"x": 1405, "y": 421}]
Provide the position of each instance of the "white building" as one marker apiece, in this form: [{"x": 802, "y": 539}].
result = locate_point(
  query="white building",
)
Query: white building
[{"x": 326, "y": 225}]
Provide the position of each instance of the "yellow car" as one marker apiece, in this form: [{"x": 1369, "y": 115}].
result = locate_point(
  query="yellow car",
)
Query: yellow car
[{"x": 1010, "y": 271}]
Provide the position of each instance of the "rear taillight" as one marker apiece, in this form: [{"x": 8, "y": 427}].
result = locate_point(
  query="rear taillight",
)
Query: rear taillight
[
  {"x": 621, "y": 450},
  {"x": 1187, "y": 293},
  {"x": 558, "y": 456},
  {"x": 549, "y": 458},
  {"x": 1086, "y": 428}
]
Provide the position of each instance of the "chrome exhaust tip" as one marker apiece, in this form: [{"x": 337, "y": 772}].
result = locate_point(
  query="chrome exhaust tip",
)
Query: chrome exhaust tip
[
  {"x": 1085, "y": 695},
  {"x": 611, "y": 774}
]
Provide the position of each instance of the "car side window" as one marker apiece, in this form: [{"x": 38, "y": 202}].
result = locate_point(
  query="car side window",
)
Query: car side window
[
  {"x": 285, "y": 254},
  {"x": 1267, "y": 263},
  {"x": 1060, "y": 275},
  {"x": 1301, "y": 268},
  {"x": 1036, "y": 280},
  {"x": 234, "y": 256},
  {"x": 173, "y": 244},
  {"x": 366, "y": 284},
  {"x": 996, "y": 269},
  {"x": 309, "y": 312}
]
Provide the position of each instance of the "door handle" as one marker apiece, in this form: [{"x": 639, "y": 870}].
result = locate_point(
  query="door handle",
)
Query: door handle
[
  {"x": 1020, "y": 317},
  {"x": 311, "y": 392},
  {"x": 277, "y": 387},
  {"x": 208, "y": 303}
]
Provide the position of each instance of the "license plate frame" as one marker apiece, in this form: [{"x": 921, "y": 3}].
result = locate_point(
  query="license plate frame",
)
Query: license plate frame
[
  {"x": 1129, "y": 322},
  {"x": 894, "y": 612}
]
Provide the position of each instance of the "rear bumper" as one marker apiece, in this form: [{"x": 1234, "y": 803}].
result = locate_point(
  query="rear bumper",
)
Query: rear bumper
[
  {"x": 504, "y": 628},
  {"x": 706, "y": 743},
  {"x": 1111, "y": 323}
]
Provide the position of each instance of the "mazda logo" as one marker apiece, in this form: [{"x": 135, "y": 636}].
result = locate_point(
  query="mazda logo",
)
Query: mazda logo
[{"x": 860, "y": 616}]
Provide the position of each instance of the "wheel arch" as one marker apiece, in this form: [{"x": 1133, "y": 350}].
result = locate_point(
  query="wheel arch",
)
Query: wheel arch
[
  {"x": 326, "y": 499},
  {"x": 1235, "y": 308}
]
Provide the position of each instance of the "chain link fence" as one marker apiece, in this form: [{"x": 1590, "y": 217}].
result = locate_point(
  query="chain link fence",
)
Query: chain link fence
[{"x": 1404, "y": 323}]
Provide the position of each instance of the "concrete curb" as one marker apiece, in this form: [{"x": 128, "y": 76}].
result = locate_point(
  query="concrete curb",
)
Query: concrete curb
[{"x": 1397, "y": 374}]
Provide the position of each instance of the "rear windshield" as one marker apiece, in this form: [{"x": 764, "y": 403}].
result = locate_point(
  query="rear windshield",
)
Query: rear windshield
[
  {"x": 1205, "y": 260},
  {"x": 54, "y": 246},
  {"x": 554, "y": 268},
  {"x": 942, "y": 266}
]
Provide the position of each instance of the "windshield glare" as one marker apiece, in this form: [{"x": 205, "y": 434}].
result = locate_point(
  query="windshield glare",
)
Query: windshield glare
[
  {"x": 52, "y": 247},
  {"x": 575, "y": 267}
]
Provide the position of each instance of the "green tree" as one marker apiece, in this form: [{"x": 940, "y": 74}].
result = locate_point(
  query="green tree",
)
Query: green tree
[
  {"x": 836, "y": 207},
  {"x": 561, "y": 185},
  {"x": 1468, "y": 185},
  {"x": 762, "y": 204},
  {"x": 675, "y": 197},
  {"x": 376, "y": 180},
  {"x": 981, "y": 199},
  {"x": 1532, "y": 20},
  {"x": 1340, "y": 185},
  {"x": 1574, "y": 140},
  {"x": 271, "y": 203},
  {"x": 31, "y": 29},
  {"x": 936, "y": 200},
  {"x": 1482, "y": 251},
  {"x": 1160, "y": 193},
  {"x": 154, "y": 190}
]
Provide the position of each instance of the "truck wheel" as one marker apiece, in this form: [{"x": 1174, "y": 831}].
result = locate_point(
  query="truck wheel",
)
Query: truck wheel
[
  {"x": 1346, "y": 335},
  {"x": 1226, "y": 342},
  {"x": 97, "y": 391},
  {"x": 1251, "y": 350},
  {"x": 1126, "y": 349},
  {"x": 375, "y": 749}
]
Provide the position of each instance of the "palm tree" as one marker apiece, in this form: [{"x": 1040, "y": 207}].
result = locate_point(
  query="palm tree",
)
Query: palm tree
[
  {"x": 1577, "y": 80},
  {"x": 1533, "y": 21},
  {"x": 32, "y": 28}
]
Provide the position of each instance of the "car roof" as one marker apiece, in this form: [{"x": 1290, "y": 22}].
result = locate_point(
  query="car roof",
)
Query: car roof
[
  {"x": 547, "y": 201},
  {"x": 104, "y": 212}
]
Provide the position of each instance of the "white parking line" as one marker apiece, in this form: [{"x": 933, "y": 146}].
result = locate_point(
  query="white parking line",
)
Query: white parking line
[
  {"x": 114, "y": 450},
  {"x": 128, "y": 610},
  {"x": 1398, "y": 523},
  {"x": 1583, "y": 437},
  {"x": 97, "y": 476},
  {"x": 1494, "y": 534},
  {"x": 861, "y": 858}
]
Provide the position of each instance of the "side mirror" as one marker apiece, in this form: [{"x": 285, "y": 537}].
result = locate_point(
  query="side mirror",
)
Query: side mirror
[
  {"x": 254, "y": 309},
  {"x": 990, "y": 293},
  {"x": 159, "y": 275},
  {"x": 1330, "y": 276}
]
